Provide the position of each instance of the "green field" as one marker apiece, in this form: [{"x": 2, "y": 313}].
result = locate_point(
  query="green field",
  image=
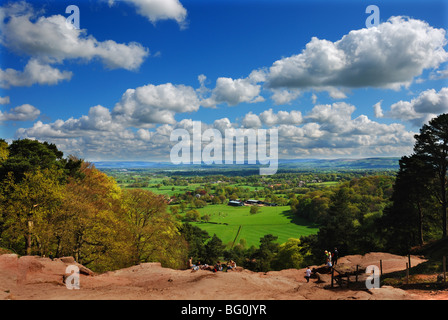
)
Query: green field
[
  {"x": 168, "y": 190},
  {"x": 277, "y": 221},
  {"x": 231, "y": 224},
  {"x": 324, "y": 184}
]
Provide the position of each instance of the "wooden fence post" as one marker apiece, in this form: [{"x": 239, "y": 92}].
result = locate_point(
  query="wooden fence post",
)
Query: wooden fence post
[
  {"x": 381, "y": 268},
  {"x": 407, "y": 273},
  {"x": 409, "y": 259}
]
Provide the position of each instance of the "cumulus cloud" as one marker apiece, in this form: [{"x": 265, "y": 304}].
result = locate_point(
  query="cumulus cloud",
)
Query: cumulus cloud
[
  {"x": 95, "y": 137},
  {"x": 331, "y": 131},
  {"x": 149, "y": 105},
  {"x": 378, "y": 110},
  {"x": 325, "y": 131},
  {"x": 390, "y": 55},
  {"x": 269, "y": 118},
  {"x": 25, "y": 112},
  {"x": 155, "y": 10},
  {"x": 48, "y": 41},
  {"x": 334, "y": 118},
  {"x": 284, "y": 96},
  {"x": 223, "y": 124},
  {"x": 35, "y": 72},
  {"x": 51, "y": 40},
  {"x": 141, "y": 108},
  {"x": 99, "y": 119},
  {"x": 233, "y": 92},
  {"x": 426, "y": 106},
  {"x": 251, "y": 121}
]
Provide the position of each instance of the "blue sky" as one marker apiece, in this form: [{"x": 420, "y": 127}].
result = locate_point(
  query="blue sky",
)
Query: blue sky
[{"x": 138, "y": 69}]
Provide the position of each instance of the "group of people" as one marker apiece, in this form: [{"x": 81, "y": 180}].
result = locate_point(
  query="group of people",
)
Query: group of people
[
  {"x": 331, "y": 258},
  {"x": 231, "y": 265}
]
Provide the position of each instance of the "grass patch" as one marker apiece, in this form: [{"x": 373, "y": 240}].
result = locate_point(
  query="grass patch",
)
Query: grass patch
[
  {"x": 168, "y": 190},
  {"x": 278, "y": 221}
]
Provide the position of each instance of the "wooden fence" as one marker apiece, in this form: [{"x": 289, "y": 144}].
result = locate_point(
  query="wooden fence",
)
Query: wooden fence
[{"x": 339, "y": 276}]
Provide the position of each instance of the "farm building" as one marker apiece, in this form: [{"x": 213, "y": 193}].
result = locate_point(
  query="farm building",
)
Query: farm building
[
  {"x": 254, "y": 201},
  {"x": 236, "y": 203}
]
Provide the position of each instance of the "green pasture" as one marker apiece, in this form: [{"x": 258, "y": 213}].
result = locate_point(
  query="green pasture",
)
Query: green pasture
[
  {"x": 226, "y": 222},
  {"x": 250, "y": 188},
  {"x": 170, "y": 190},
  {"x": 324, "y": 184}
]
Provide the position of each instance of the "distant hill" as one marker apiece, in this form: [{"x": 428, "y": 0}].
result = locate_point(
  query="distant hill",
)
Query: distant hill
[
  {"x": 328, "y": 164},
  {"x": 132, "y": 164},
  {"x": 364, "y": 163}
]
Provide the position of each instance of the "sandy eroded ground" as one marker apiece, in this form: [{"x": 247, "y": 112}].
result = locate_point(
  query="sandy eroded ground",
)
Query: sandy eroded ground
[{"x": 29, "y": 278}]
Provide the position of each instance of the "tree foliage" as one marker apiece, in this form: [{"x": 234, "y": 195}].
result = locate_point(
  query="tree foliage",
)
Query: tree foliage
[
  {"x": 349, "y": 215},
  {"x": 431, "y": 147},
  {"x": 154, "y": 232},
  {"x": 418, "y": 212},
  {"x": 58, "y": 206}
]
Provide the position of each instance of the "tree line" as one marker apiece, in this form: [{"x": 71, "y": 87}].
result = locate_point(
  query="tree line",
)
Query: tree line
[
  {"x": 385, "y": 213},
  {"x": 51, "y": 205},
  {"x": 56, "y": 206}
]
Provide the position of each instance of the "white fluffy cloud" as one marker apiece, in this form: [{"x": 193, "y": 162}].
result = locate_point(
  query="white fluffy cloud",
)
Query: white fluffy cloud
[
  {"x": 25, "y": 112},
  {"x": 141, "y": 108},
  {"x": 331, "y": 131},
  {"x": 155, "y": 10},
  {"x": 378, "y": 110},
  {"x": 149, "y": 105},
  {"x": 325, "y": 131},
  {"x": 233, "y": 92},
  {"x": 49, "y": 41},
  {"x": 251, "y": 121},
  {"x": 35, "y": 72},
  {"x": 334, "y": 118},
  {"x": 269, "y": 118},
  {"x": 389, "y": 56},
  {"x": 99, "y": 120},
  {"x": 284, "y": 96},
  {"x": 427, "y": 105}
]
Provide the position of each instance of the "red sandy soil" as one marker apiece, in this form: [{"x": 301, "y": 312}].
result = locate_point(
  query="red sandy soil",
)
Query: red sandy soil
[{"x": 37, "y": 278}]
